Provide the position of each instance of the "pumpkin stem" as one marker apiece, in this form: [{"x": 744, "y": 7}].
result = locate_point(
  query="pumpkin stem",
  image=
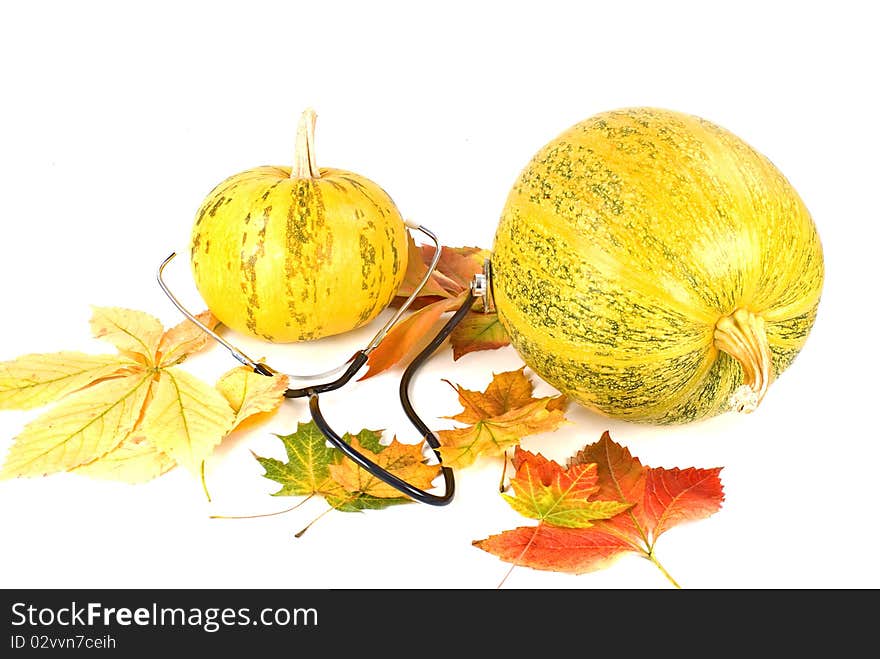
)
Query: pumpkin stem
[
  {"x": 742, "y": 336},
  {"x": 304, "y": 163}
]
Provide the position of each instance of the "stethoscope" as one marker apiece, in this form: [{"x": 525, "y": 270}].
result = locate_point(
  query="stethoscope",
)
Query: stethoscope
[{"x": 478, "y": 291}]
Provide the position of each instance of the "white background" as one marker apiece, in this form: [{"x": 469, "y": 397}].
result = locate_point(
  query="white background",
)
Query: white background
[{"x": 116, "y": 119}]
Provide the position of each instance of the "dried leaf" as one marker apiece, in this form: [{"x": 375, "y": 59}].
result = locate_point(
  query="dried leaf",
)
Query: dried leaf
[
  {"x": 562, "y": 497},
  {"x": 675, "y": 496},
  {"x": 185, "y": 339},
  {"x": 306, "y": 470},
  {"x": 557, "y": 549},
  {"x": 403, "y": 460},
  {"x": 656, "y": 499},
  {"x": 409, "y": 336},
  {"x": 249, "y": 393},
  {"x": 664, "y": 497},
  {"x": 455, "y": 269},
  {"x": 478, "y": 331},
  {"x": 134, "y": 461},
  {"x": 416, "y": 268},
  {"x": 311, "y": 463},
  {"x": 622, "y": 477},
  {"x": 80, "y": 429},
  {"x": 458, "y": 265},
  {"x": 131, "y": 331},
  {"x": 499, "y": 417},
  {"x": 506, "y": 391},
  {"x": 445, "y": 290},
  {"x": 38, "y": 379},
  {"x": 129, "y": 416},
  {"x": 186, "y": 418}
]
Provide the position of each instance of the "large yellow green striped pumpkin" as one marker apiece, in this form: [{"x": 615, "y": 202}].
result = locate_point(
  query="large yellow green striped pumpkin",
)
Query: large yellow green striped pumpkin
[
  {"x": 655, "y": 267},
  {"x": 295, "y": 253}
]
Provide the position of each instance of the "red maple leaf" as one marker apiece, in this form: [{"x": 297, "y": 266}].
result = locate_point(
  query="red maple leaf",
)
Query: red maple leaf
[{"x": 658, "y": 499}]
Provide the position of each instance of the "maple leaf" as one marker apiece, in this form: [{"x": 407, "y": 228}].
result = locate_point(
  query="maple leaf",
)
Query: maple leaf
[
  {"x": 444, "y": 291},
  {"x": 403, "y": 460},
  {"x": 477, "y": 331},
  {"x": 556, "y": 549},
  {"x": 315, "y": 468},
  {"x": 306, "y": 471},
  {"x": 457, "y": 266},
  {"x": 498, "y": 418},
  {"x": 657, "y": 499},
  {"x": 562, "y": 497},
  {"x": 663, "y": 497},
  {"x": 130, "y": 416}
]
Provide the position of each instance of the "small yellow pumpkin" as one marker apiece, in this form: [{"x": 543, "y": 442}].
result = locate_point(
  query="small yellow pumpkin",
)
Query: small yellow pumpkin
[
  {"x": 296, "y": 253},
  {"x": 655, "y": 267}
]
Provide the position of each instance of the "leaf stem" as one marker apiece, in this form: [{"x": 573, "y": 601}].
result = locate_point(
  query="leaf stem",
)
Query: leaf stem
[
  {"x": 204, "y": 482},
  {"x": 519, "y": 558},
  {"x": 278, "y": 512},
  {"x": 299, "y": 533},
  {"x": 501, "y": 486},
  {"x": 653, "y": 559}
]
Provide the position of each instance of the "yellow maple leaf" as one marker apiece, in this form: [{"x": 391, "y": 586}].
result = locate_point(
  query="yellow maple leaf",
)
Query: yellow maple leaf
[
  {"x": 130, "y": 416},
  {"x": 498, "y": 418},
  {"x": 249, "y": 393},
  {"x": 403, "y": 460}
]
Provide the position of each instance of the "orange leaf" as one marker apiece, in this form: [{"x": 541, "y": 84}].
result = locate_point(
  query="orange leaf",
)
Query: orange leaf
[
  {"x": 455, "y": 269},
  {"x": 505, "y": 392},
  {"x": 561, "y": 497},
  {"x": 674, "y": 496},
  {"x": 546, "y": 547},
  {"x": 663, "y": 497},
  {"x": 458, "y": 265},
  {"x": 416, "y": 267},
  {"x": 409, "y": 336},
  {"x": 498, "y": 418},
  {"x": 656, "y": 499},
  {"x": 478, "y": 331},
  {"x": 403, "y": 460},
  {"x": 185, "y": 339},
  {"x": 623, "y": 477}
]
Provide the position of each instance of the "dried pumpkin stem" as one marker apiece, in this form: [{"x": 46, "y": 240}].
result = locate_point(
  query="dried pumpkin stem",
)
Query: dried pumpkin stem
[
  {"x": 304, "y": 163},
  {"x": 742, "y": 336}
]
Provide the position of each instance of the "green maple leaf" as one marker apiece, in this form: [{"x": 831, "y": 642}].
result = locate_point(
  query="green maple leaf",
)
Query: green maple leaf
[{"x": 307, "y": 470}]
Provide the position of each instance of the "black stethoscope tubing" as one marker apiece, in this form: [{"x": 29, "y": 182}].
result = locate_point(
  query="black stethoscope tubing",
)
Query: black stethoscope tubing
[
  {"x": 429, "y": 436},
  {"x": 355, "y": 364}
]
